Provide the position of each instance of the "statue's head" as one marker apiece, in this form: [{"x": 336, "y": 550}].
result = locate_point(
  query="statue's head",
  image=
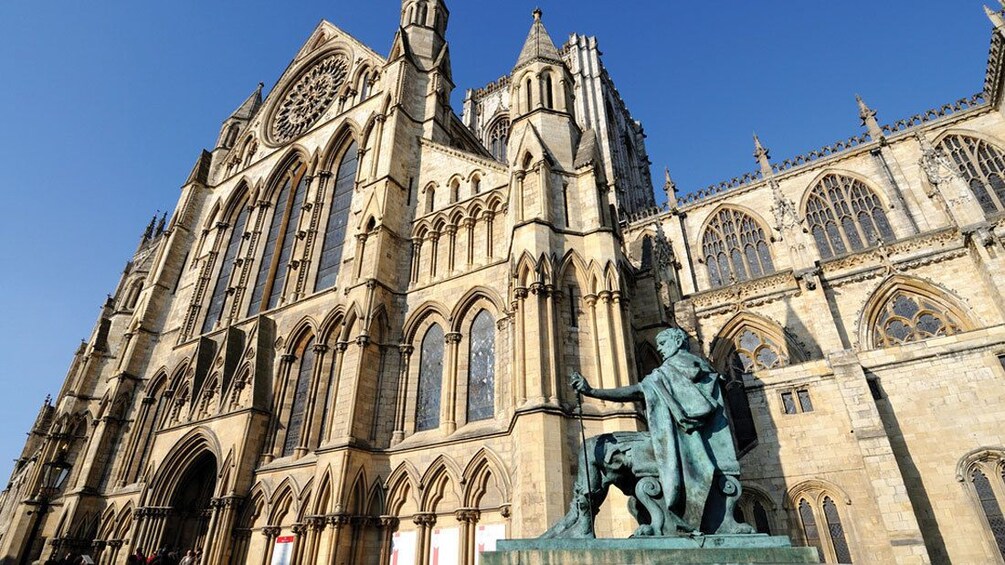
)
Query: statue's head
[{"x": 670, "y": 341}]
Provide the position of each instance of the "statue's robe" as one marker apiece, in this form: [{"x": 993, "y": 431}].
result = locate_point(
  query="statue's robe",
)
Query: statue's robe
[{"x": 686, "y": 388}]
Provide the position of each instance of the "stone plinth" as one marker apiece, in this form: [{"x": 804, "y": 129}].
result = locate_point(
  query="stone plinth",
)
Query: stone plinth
[{"x": 697, "y": 550}]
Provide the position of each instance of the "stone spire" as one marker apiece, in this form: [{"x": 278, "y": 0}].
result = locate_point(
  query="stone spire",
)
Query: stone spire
[
  {"x": 670, "y": 188},
  {"x": 763, "y": 157},
  {"x": 248, "y": 108},
  {"x": 538, "y": 45},
  {"x": 868, "y": 116}
]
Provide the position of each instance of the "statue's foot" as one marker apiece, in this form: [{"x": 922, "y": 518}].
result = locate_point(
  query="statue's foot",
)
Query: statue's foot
[{"x": 732, "y": 527}]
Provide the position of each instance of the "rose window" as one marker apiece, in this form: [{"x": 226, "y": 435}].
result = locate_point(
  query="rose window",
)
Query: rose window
[{"x": 307, "y": 99}]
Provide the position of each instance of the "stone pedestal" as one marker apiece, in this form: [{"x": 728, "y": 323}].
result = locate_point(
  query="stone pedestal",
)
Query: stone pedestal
[{"x": 692, "y": 550}]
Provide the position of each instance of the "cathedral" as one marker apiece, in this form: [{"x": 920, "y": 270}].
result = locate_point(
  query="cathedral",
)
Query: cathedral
[{"x": 351, "y": 341}]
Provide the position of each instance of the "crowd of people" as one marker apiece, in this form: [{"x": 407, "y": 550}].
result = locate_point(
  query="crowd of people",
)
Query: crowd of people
[{"x": 162, "y": 557}]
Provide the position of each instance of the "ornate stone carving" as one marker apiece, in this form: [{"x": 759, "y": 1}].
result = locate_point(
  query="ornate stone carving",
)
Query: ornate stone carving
[{"x": 307, "y": 98}]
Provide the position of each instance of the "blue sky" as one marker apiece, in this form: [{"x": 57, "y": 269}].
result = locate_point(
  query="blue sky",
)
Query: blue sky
[{"x": 105, "y": 106}]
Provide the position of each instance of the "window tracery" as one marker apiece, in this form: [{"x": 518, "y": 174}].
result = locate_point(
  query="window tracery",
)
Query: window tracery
[
  {"x": 427, "y": 411},
  {"x": 481, "y": 368},
  {"x": 735, "y": 249},
  {"x": 984, "y": 477},
  {"x": 338, "y": 219},
  {"x": 307, "y": 99},
  {"x": 821, "y": 525},
  {"x": 983, "y": 168},
  {"x": 908, "y": 317},
  {"x": 845, "y": 216},
  {"x": 215, "y": 311},
  {"x": 301, "y": 387},
  {"x": 279, "y": 245},
  {"x": 499, "y": 139}
]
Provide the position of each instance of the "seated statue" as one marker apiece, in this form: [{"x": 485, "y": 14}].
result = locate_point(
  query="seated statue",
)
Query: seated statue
[{"x": 681, "y": 475}]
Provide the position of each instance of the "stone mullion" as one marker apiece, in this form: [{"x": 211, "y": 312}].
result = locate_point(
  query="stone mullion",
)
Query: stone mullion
[
  {"x": 401, "y": 405},
  {"x": 310, "y": 236},
  {"x": 139, "y": 428},
  {"x": 470, "y": 243},
  {"x": 425, "y": 522},
  {"x": 552, "y": 353},
  {"x": 449, "y": 392},
  {"x": 335, "y": 381},
  {"x": 434, "y": 251},
  {"x": 307, "y": 434},
  {"x": 247, "y": 262},
  {"x": 520, "y": 347},
  {"x": 205, "y": 276},
  {"x": 451, "y": 248},
  {"x": 538, "y": 364},
  {"x": 416, "y": 258},
  {"x": 591, "y": 304},
  {"x": 468, "y": 517},
  {"x": 489, "y": 234},
  {"x": 619, "y": 348},
  {"x": 278, "y": 407},
  {"x": 388, "y": 525}
]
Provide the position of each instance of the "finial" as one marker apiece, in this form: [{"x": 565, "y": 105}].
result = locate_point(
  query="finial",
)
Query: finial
[
  {"x": 537, "y": 14},
  {"x": 868, "y": 116},
  {"x": 763, "y": 157},
  {"x": 995, "y": 17},
  {"x": 670, "y": 188},
  {"x": 149, "y": 232},
  {"x": 161, "y": 223},
  {"x": 48, "y": 400}
]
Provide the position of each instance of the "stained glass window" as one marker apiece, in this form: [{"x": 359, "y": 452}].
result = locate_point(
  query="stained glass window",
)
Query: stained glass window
[
  {"x": 427, "y": 411},
  {"x": 810, "y": 530},
  {"x": 752, "y": 351},
  {"x": 845, "y": 215},
  {"x": 735, "y": 249},
  {"x": 285, "y": 217},
  {"x": 481, "y": 368},
  {"x": 219, "y": 296},
  {"x": 836, "y": 531},
  {"x": 907, "y": 318},
  {"x": 991, "y": 508},
  {"x": 498, "y": 139},
  {"x": 338, "y": 219},
  {"x": 295, "y": 423},
  {"x": 983, "y": 168}
]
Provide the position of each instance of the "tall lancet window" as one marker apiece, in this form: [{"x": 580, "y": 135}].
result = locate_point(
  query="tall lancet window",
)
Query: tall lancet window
[
  {"x": 498, "y": 139},
  {"x": 845, "y": 215},
  {"x": 215, "y": 311},
  {"x": 279, "y": 245},
  {"x": 338, "y": 219},
  {"x": 482, "y": 368},
  {"x": 427, "y": 410},
  {"x": 735, "y": 249},
  {"x": 983, "y": 168},
  {"x": 301, "y": 388}
]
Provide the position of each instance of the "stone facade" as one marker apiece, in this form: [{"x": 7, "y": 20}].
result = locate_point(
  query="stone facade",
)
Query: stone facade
[{"x": 354, "y": 332}]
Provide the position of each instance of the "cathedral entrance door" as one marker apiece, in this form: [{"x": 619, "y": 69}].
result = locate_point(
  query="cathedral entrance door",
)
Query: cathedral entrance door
[{"x": 186, "y": 528}]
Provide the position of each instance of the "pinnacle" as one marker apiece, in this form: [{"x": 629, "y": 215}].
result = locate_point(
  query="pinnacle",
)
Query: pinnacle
[{"x": 539, "y": 44}]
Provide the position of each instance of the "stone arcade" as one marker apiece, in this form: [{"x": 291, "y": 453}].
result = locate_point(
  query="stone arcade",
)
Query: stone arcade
[{"x": 354, "y": 330}]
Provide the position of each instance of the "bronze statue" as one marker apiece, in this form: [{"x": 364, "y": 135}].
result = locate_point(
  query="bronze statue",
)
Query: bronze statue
[{"x": 681, "y": 475}]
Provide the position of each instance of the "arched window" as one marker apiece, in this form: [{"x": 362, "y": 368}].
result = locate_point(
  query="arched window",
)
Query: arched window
[
  {"x": 549, "y": 93},
  {"x": 983, "y": 168},
  {"x": 530, "y": 95},
  {"x": 482, "y": 368},
  {"x": 983, "y": 474},
  {"x": 455, "y": 191},
  {"x": 752, "y": 351},
  {"x": 430, "y": 198},
  {"x": 909, "y": 317},
  {"x": 231, "y": 138},
  {"x": 301, "y": 387},
  {"x": 338, "y": 219},
  {"x": 427, "y": 410},
  {"x": 845, "y": 215},
  {"x": 215, "y": 311},
  {"x": 279, "y": 245},
  {"x": 752, "y": 510},
  {"x": 364, "y": 86},
  {"x": 498, "y": 139},
  {"x": 822, "y": 527},
  {"x": 735, "y": 249},
  {"x": 476, "y": 184}
]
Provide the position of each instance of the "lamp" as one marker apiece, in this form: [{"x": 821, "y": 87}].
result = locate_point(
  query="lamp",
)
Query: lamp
[{"x": 54, "y": 474}]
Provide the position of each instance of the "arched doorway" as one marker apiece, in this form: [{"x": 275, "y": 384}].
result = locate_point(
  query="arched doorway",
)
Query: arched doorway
[{"x": 190, "y": 506}]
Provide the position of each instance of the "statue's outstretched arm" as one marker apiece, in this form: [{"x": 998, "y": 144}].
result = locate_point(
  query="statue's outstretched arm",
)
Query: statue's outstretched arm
[{"x": 621, "y": 394}]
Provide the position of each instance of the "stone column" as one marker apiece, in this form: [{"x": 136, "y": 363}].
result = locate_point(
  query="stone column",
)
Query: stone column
[
  {"x": 451, "y": 232},
  {"x": 449, "y": 393},
  {"x": 310, "y": 426},
  {"x": 551, "y": 356},
  {"x": 270, "y": 533},
  {"x": 535, "y": 330},
  {"x": 340, "y": 348},
  {"x": 434, "y": 251},
  {"x": 591, "y": 305},
  {"x": 299, "y": 543},
  {"x": 469, "y": 223},
  {"x": 620, "y": 347},
  {"x": 360, "y": 252},
  {"x": 336, "y": 523},
  {"x": 489, "y": 234},
  {"x": 519, "y": 177},
  {"x": 520, "y": 347},
  {"x": 401, "y": 406},
  {"x": 416, "y": 258},
  {"x": 388, "y": 525},
  {"x": 468, "y": 517},
  {"x": 425, "y": 522}
]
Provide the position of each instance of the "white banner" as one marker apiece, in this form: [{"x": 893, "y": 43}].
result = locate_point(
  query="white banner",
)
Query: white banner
[
  {"x": 446, "y": 547},
  {"x": 283, "y": 553},
  {"x": 403, "y": 548},
  {"x": 486, "y": 537}
]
